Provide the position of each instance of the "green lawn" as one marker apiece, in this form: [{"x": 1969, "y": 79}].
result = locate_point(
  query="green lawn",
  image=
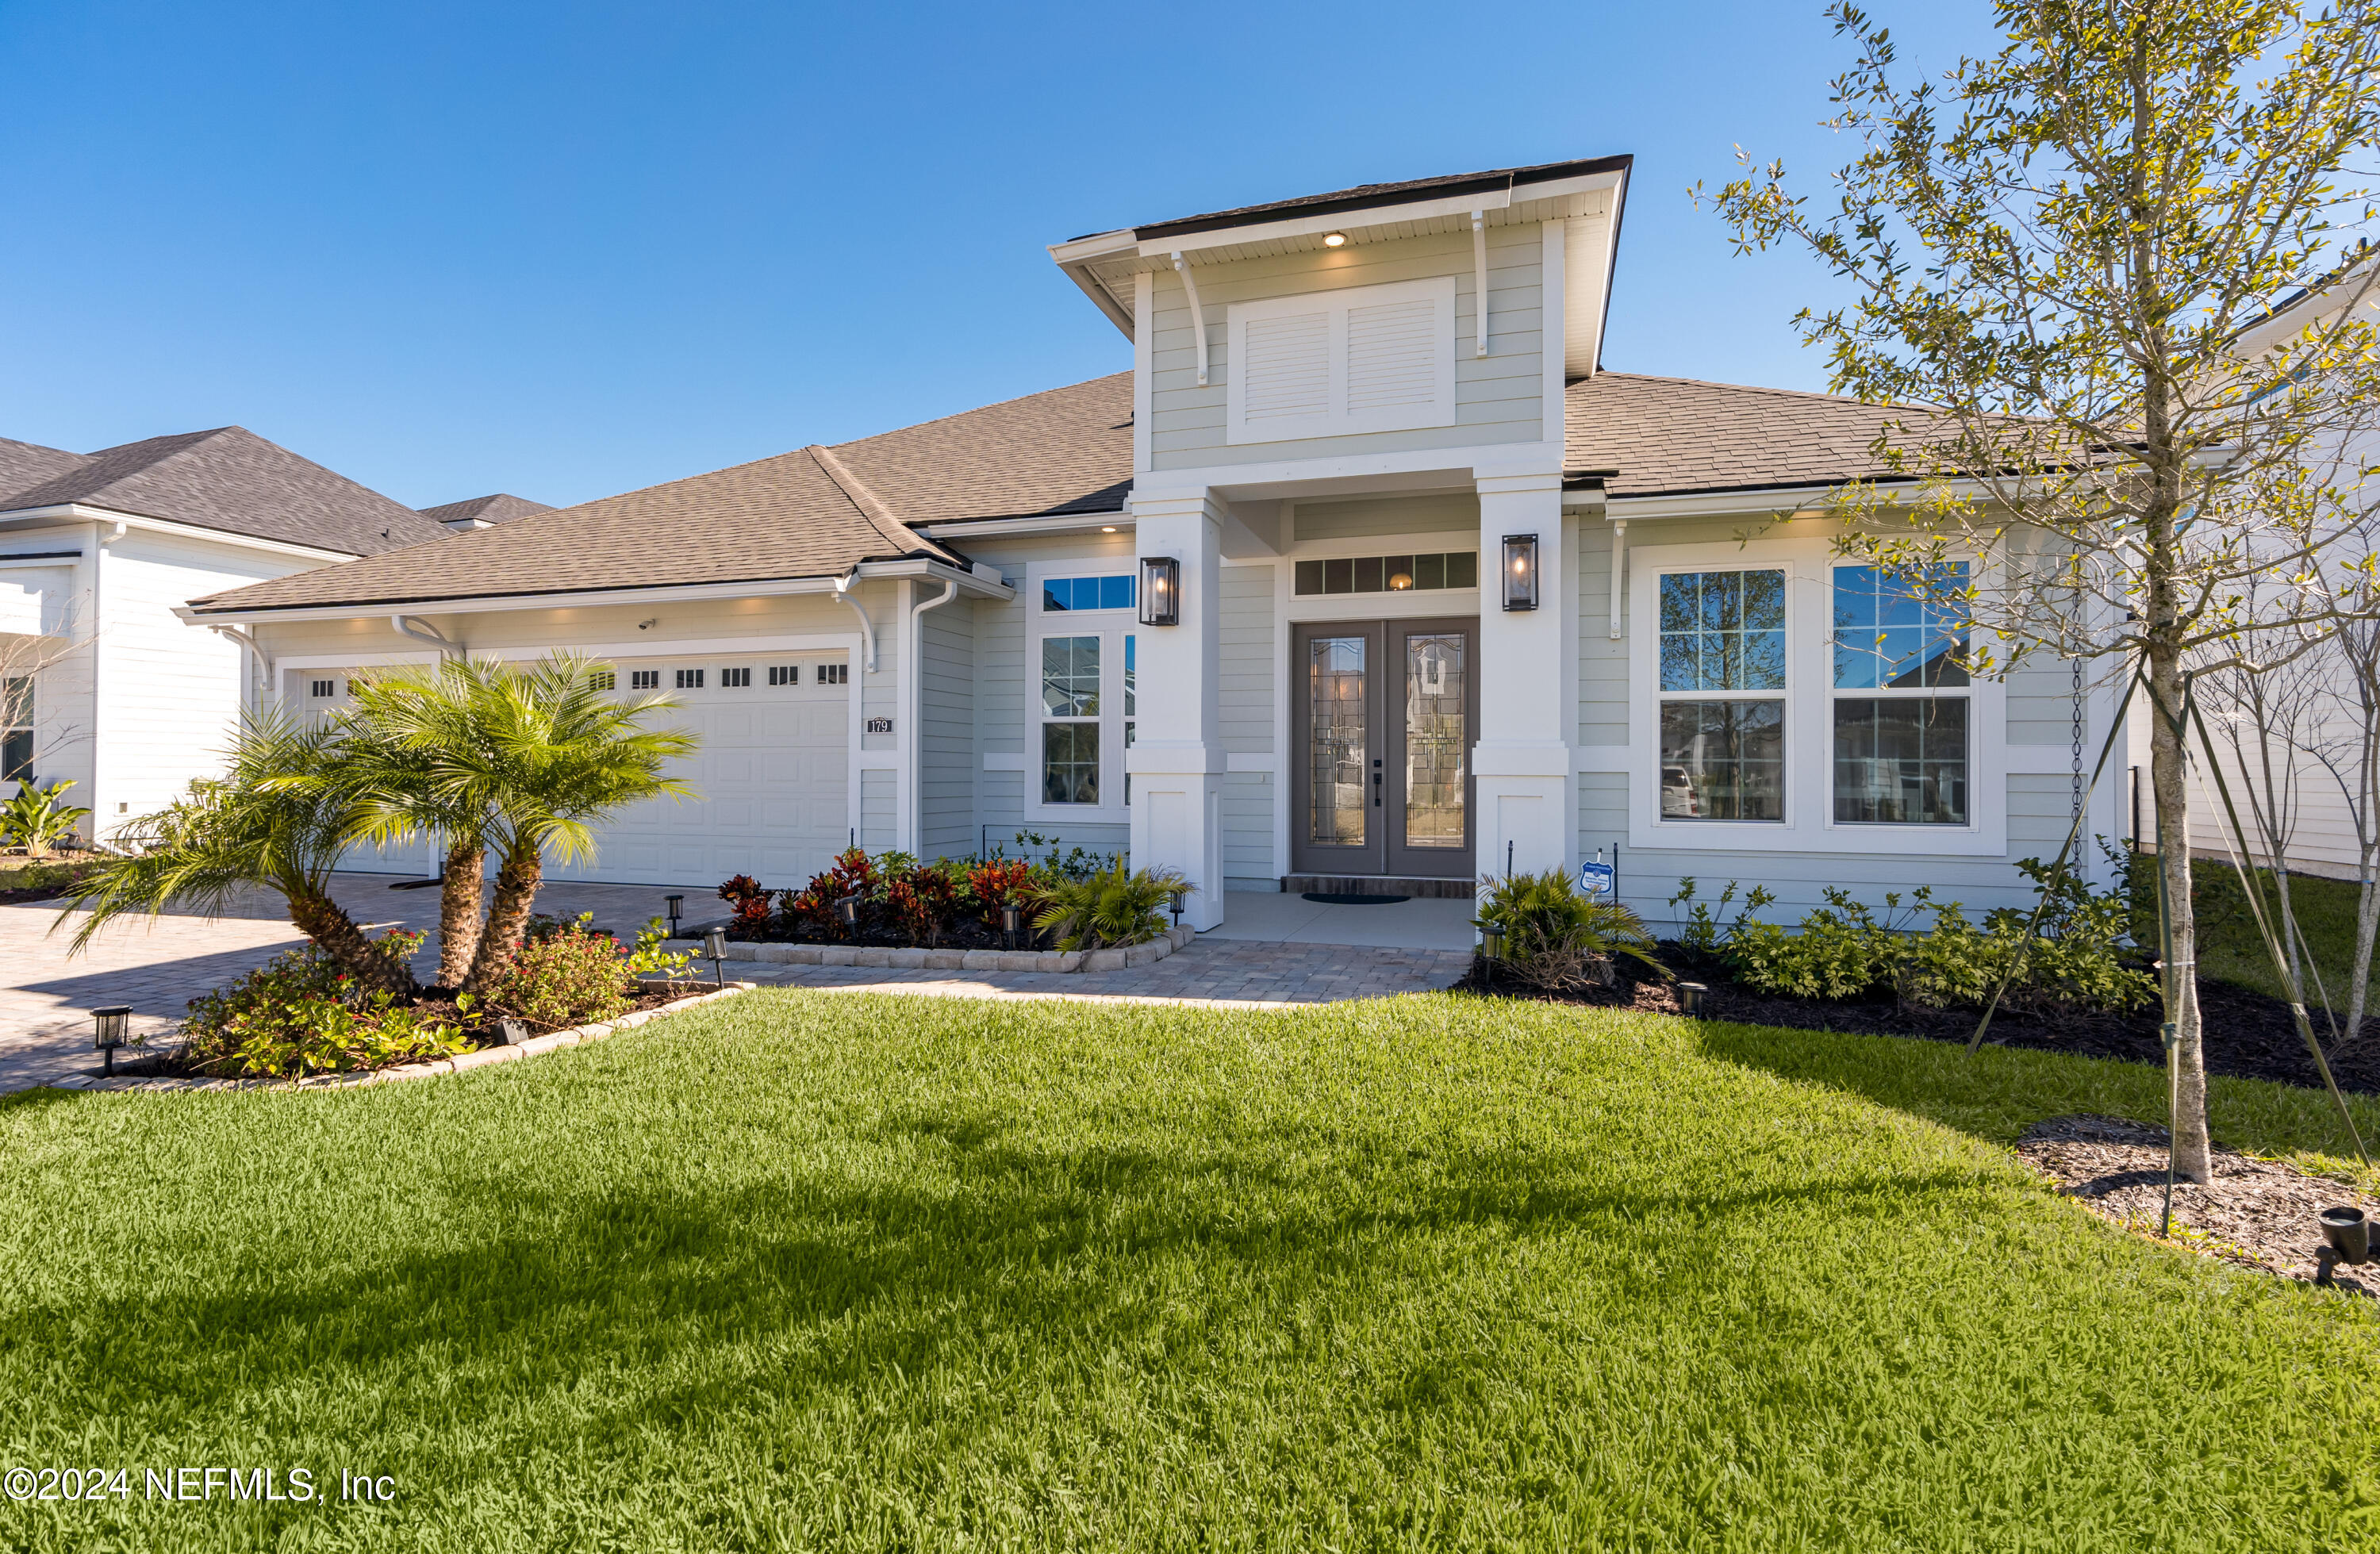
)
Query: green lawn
[
  {"x": 2232, "y": 951},
  {"x": 808, "y": 1271}
]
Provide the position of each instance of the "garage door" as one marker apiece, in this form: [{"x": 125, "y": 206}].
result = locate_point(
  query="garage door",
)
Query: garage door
[
  {"x": 318, "y": 692},
  {"x": 772, "y": 775}
]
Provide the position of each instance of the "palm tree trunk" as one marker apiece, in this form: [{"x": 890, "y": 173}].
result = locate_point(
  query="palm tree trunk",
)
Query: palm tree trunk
[
  {"x": 516, "y": 883},
  {"x": 458, "y": 912},
  {"x": 327, "y": 924}
]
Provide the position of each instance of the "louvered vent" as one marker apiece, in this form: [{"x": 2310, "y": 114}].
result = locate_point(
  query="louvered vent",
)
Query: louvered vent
[
  {"x": 1335, "y": 363},
  {"x": 1287, "y": 367}
]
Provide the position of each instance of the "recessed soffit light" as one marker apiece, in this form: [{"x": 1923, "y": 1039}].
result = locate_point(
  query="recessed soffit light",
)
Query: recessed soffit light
[{"x": 1334, "y": 239}]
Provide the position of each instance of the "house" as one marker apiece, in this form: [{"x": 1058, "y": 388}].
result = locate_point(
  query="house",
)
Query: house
[
  {"x": 101, "y": 682},
  {"x": 1366, "y": 576}
]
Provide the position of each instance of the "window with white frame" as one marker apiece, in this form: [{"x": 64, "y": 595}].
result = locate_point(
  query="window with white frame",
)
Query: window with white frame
[
  {"x": 1084, "y": 657},
  {"x": 1722, "y": 745},
  {"x": 17, "y": 729},
  {"x": 1900, "y": 747}
]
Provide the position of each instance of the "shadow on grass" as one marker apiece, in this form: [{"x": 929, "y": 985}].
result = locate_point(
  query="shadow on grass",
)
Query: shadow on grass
[{"x": 1062, "y": 1251}]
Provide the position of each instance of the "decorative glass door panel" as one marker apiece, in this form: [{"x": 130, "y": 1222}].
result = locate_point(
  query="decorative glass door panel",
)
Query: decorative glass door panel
[
  {"x": 1339, "y": 740},
  {"x": 1432, "y": 729}
]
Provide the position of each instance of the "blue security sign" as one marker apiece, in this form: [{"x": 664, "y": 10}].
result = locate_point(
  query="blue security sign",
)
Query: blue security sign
[{"x": 1594, "y": 879}]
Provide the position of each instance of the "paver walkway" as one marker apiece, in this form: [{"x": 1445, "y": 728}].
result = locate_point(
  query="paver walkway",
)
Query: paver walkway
[{"x": 45, "y": 998}]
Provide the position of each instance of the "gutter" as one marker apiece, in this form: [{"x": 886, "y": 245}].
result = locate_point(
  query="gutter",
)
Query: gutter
[{"x": 985, "y": 584}]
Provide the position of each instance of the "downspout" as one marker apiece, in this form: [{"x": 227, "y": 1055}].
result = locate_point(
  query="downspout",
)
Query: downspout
[
  {"x": 843, "y": 586},
  {"x": 1198, "y": 315},
  {"x": 422, "y": 632},
  {"x": 913, "y": 693},
  {"x": 256, "y": 678}
]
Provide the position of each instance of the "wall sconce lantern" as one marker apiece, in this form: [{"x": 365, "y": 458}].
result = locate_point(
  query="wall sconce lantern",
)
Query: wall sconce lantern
[
  {"x": 1520, "y": 572},
  {"x": 108, "y": 1032},
  {"x": 674, "y": 903},
  {"x": 714, "y": 944},
  {"x": 1160, "y": 590}
]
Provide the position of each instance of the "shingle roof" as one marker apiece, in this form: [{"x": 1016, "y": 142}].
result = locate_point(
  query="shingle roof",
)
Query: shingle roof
[
  {"x": 1364, "y": 196},
  {"x": 26, "y": 464},
  {"x": 780, "y": 517},
  {"x": 228, "y": 478},
  {"x": 1670, "y": 436},
  {"x": 816, "y": 511},
  {"x": 1065, "y": 450},
  {"x": 496, "y": 509}
]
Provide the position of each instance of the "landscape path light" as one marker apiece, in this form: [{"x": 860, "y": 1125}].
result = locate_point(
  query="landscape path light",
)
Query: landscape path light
[
  {"x": 1012, "y": 922},
  {"x": 846, "y": 912},
  {"x": 672, "y": 903},
  {"x": 1690, "y": 998},
  {"x": 107, "y": 1034},
  {"x": 714, "y": 944}
]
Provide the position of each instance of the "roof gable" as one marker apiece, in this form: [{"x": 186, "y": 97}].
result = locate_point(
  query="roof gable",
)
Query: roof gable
[
  {"x": 501, "y": 508},
  {"x": 230, "y": 478}
]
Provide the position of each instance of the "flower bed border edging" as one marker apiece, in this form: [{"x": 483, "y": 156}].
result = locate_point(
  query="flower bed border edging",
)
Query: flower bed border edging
[
  {"x": 1121, "y": 959},
  {"x": 479, "y": 1057}
]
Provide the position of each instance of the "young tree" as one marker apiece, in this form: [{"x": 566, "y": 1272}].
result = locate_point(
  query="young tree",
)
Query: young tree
[
  {"x": 2346, "y": 747},
  {"x": 2051, "y": 254}
]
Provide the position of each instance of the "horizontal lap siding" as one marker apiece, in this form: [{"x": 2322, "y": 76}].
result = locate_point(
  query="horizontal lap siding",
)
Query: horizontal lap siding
[
  {"x": 1497, "y": 397},
  {"x": 1409, "y": 515},
  {"x": 1245, "y": 692},
  {"x": 946, "y": 758},
  {"x": 1602, "y": 663}
]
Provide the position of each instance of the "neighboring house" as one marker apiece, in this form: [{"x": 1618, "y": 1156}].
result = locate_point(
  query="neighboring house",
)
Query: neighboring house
[
  {"x": 483, "y": 512},
  {"x": 1365, "y": 575},
  {"x": 104, "y": 684}
]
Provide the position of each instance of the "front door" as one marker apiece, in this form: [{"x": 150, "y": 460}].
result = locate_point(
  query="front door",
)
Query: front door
[{"x": 1383, "y": 715}]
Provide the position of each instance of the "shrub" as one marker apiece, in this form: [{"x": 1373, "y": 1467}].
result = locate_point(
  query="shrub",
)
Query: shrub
[
  {"x": 994, "y": 884},
  {"x": 1559, "y": 939},
  {"x": 298, "y": 1014},
  {"x": 1076, "y": 866},
  {"x": 37, "y": 816},
  {"x": 922, "y": 899},
  {"x": 1112, "y": 906},
  {"x": 566, "y": 976},
  {"x": 652, "y": 954},
  {"x": 750, "y": 900},
  {"x": 1841, "y": 951},
  {"x": 853, "y": 873}
]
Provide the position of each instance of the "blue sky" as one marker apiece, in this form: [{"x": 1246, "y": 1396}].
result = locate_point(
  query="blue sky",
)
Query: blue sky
[{"x": 568, "y": 250}]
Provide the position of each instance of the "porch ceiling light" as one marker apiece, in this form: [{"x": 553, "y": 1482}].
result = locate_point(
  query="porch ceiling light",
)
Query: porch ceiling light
[
  {"x": 1520, "y": 572},
  {"x": 1401, "y": 581},
  {"x": 1334, "y": 239},
  {"x": 1160, "y": 590}
]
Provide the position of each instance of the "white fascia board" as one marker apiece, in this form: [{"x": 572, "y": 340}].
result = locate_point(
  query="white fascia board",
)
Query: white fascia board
[
  {"x": 1072, "y": 523},
  {"x": 1076, "y": 259},
  {"x": 1315, "y": 226},
  {"x": 74, "y": 512},
  {"x": 1355, "y": 474},
  {"x": 1099, "y": 245},
  {"x": 969, "y": 582}
]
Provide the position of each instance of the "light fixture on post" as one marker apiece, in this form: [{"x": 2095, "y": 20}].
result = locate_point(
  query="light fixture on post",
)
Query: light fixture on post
[
  {"x": 107, "y": 1034},
  {"x": 1160, "y": 590},
  {"x": 673, "y": 903},
  {"x": 846, "y": 912},
  {"x": 1012, "y": 923},
  {"x": 1520, "y": 572},
  {"x": 714, "y": 944}
]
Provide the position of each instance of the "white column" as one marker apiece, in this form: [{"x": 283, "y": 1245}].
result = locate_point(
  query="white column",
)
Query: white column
[
  {"x": 1176, "y": 760},
  {"x": 1525, "y": 763}
]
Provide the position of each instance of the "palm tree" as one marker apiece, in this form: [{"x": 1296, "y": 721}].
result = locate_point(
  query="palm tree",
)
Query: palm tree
[
  {"x": 277, "y": 817},
  {"x": 400, "y": 728},
  {"x": 531, "y": 757}
]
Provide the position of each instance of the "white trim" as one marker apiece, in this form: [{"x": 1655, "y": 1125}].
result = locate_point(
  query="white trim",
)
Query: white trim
[
  {"x": 1479, "y": 283},
  {"x": 1553, "y": 287},
  {"x": 1072, "y": 523},
  {"x": 969, "y": 582},
  {"x": 1197, "y": 317},
  {"x": 1110, "y": 626},
  {"x": 1144, "y": 374},
  {"x": 1808, "y": 825},
  {"x": 702, "y": 646},
  {"x": 1336, "y": 418},
  {"x": 1456, "y": 469},
  {"x": 1396, "y": 213},
  {"x": 76, "y": 512}
]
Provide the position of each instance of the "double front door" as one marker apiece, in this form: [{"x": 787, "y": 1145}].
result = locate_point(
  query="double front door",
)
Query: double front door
[{"x": 1382, "y": 717}]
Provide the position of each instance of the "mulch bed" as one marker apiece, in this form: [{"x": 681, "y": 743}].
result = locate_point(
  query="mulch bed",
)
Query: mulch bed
[
  {"x": 2256, "y": 1213},
  {"x": 16, "y": 895},
  {"x": 2248, "y": 1035}
]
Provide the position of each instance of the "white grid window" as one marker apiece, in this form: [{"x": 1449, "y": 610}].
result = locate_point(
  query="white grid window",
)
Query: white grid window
[
  {"x": 644, "y": 679},
  {"x": 734, "y": 679}
]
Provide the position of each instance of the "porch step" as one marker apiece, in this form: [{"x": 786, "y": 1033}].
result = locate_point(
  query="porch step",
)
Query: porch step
[{"x": 1373, "y": 884}]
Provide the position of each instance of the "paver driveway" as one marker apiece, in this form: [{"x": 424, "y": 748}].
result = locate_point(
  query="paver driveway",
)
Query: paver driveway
[{"x": 45, "y": 998}]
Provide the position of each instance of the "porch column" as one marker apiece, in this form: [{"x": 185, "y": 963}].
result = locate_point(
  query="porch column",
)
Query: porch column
[
  {"x": 1523, "y": 763},
  {"x": 1176, "y": 760}
]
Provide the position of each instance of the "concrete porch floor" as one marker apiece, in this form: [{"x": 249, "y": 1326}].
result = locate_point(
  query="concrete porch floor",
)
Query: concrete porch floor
[{"x": 1278, "y": 917}]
